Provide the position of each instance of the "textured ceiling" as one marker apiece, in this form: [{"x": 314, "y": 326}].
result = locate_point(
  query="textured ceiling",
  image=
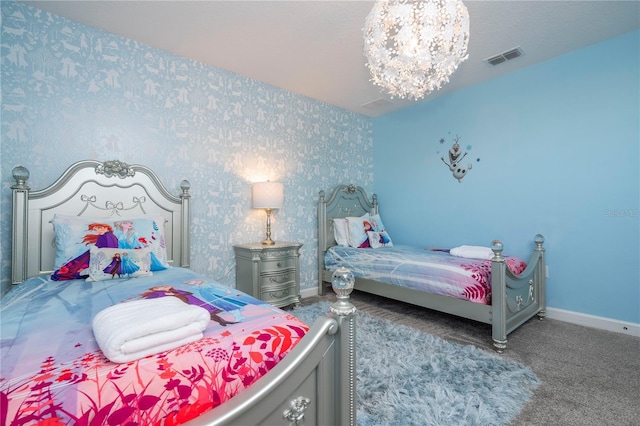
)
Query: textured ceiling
[{"x": 314, "y": 48}]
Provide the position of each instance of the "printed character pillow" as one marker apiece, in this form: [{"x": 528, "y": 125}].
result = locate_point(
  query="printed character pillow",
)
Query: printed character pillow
[
  {"x": 368, "y": 231},
  {"x": 117, "y": 263},
  {"x": 358, "y": 227},
  {"x": 74, "y": 236},
  {"x": 378, "y": 236}
]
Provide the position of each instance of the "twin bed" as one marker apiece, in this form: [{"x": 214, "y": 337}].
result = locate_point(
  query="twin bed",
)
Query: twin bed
[
  {"x": 501, "y": 291},
  {"x": 247, "y": 362}
]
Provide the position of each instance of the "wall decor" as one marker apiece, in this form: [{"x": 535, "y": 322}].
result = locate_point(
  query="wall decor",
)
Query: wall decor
[{"x": 455, "y": 158}]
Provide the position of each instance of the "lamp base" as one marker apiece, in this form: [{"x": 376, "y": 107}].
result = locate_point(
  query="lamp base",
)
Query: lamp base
[{"x": 268, "y": 242}]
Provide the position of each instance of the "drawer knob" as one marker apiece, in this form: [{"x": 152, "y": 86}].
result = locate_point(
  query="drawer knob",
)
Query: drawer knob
[
  {"x": 296, "y": 411},
  {"x": 279, "y": 264}
]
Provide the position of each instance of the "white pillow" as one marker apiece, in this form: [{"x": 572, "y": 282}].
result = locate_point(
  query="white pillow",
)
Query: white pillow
[
  {"x": 358, "y": 227},
  {"x": 340, "y": 231}
]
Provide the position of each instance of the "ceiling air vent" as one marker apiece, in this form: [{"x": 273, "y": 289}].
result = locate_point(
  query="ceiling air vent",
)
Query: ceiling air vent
[{"x": 505, "y": 56}]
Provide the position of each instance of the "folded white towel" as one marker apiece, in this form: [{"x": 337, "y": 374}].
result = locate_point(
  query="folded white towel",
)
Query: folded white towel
[
  {"x": 472, "y": 252},
  {"x": 132, "y": 330}
]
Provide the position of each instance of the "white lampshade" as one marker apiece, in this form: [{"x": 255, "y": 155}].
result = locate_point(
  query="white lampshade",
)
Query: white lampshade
[{"x": 267, "y": 195}]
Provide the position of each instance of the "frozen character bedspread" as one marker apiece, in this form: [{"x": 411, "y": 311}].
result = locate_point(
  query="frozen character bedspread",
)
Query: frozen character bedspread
[
  {"x": 430, "y": 271},
  {"x": 53, "y": 371}
]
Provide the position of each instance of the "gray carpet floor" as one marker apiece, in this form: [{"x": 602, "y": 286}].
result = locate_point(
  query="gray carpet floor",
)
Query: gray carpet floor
[{"x": 589, "y": 376}]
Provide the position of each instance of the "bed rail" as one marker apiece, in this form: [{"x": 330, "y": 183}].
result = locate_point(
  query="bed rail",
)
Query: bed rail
[{"x": 315, "y": 384}]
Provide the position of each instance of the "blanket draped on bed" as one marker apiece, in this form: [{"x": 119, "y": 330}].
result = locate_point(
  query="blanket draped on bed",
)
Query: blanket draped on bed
[
  {"x": 53, "y": 370},
  {"x": 435, "y": 272}
]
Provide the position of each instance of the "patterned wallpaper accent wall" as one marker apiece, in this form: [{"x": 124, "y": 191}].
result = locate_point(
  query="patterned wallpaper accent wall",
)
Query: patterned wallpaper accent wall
[{"x": 71, "y": 92}]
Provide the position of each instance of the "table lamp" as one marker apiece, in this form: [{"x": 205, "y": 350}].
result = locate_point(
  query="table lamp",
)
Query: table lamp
[{"x": 267, "y": 195}]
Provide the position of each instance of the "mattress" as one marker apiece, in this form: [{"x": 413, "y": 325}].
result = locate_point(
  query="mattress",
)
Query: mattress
[
  {"x": 53, "y": 369},
  {"x": 431, "y": 271}
]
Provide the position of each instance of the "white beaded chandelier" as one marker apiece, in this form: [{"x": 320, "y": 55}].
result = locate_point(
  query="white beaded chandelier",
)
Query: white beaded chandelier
[{"x": 412, "y": 47}]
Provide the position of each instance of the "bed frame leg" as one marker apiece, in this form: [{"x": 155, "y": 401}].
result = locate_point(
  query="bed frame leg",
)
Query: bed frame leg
[
  {"x": 499, "y": 345},
  {"x": 343, "y": 311},
  {"x": 541, "y": 276},
  {"x": 499, "y": 298}
]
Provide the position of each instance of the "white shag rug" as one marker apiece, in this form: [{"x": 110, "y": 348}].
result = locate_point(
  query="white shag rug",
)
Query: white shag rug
[{"x": 408, "y": 377}]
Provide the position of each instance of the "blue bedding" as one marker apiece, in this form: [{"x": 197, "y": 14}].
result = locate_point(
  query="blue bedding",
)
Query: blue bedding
[
  {"x": 53, "y": 371},
  {"x": 431, "y": 271}
]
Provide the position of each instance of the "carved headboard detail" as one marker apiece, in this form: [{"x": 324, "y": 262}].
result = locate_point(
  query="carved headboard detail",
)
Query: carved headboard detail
[{"x": 93, "y": 189}]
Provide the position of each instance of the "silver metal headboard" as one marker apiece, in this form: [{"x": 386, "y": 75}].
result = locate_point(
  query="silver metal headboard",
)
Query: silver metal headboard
[
  {"x": 93, "y": 189},
  {"x": 344, "y": 201}
]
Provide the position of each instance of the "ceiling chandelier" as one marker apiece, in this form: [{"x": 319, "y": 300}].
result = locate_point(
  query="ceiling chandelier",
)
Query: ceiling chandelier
[{"x": 412, "y": 47}]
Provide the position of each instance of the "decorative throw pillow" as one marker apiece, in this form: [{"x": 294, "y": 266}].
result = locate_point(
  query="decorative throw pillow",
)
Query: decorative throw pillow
[
  {"x": 340, "y": 231},
  {"x": 376, "y": 222},
  {"x": 358, "y": 228},
  {"x": 74, "y": 236},
  {"x": 379, "y": 239},
  {"x": 116, "y": 263},
  {"x": 378, "y": 226}
]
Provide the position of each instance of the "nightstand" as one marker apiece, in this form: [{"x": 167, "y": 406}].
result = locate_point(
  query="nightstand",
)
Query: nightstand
[{"x": 269, "y": 272}]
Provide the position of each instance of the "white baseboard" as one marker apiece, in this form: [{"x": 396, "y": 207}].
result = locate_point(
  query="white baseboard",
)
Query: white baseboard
[
  {"x": 593, "y": 321},
  {"x": 308, "y": 292},
  {"x": 586, "y": 320}
]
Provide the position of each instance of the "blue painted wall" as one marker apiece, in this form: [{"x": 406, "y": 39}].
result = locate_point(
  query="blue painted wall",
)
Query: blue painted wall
[
  {"x": 553, "y": 150},
  {"x": 71, "y": 92}
]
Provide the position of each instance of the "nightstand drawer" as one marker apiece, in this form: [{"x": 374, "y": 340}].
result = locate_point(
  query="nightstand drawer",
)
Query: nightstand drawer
[
  {"x": 277, "y": 265},
  {"x": 279, "y": 295},
  {"x": 282, "y": 278}
]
